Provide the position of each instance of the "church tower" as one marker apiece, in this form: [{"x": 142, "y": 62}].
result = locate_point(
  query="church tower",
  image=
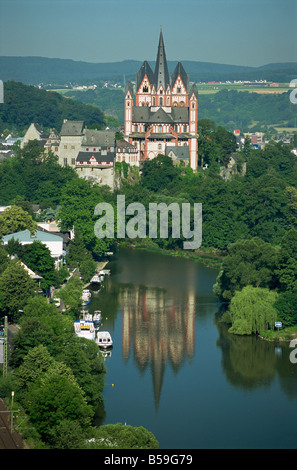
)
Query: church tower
[{"x": 164, "y": 118}]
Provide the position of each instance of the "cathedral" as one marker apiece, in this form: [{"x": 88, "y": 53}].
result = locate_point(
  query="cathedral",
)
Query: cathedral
[{"x": 161, "y": 114}]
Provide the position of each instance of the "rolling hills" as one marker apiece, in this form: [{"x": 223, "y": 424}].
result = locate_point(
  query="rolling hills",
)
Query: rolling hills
[{"x": 33, "y": 70}]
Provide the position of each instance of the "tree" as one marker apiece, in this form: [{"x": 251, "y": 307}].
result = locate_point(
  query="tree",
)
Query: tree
[
  {"x": 37, "y": 257},
  {"x": 15, "y": 219},
  {"x": 286, "y": 306},
  {"x": 252, "y": 310},
  {"x": 78, "y": 202},
  {"x": 248, "y": 262},
  {"x": 54, "y": 398},
  {"x": 78, "y": 256},
  {"x": 159, "y": 173},
  {"x": 81, "y": 355},
  {"x": 287, "y": 262},
  {"x": 120, "y": 436},
  {"x": 16, "y": 287},
  {"x": 72, "y": 292},
  {"x": 37, "y": 361},
  {"x": 227, "y": 143},
  {"x": 4, "y": 259}
]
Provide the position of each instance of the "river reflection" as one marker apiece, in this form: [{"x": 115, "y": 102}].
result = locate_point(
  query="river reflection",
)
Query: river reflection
[
  {"x": 178, "y": 372},
  {"x": 160, "y": 328},
  {"x": 250, "y": 362}
]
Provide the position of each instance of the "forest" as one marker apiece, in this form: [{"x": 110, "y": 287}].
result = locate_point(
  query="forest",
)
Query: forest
[{"x": 24, "y": 104}]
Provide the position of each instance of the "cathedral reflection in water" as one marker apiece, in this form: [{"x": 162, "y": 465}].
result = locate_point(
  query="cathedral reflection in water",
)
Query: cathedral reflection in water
[{"x": 158, "y": 327}]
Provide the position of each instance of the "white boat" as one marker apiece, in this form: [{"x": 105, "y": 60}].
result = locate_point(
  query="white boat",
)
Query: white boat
[
  {"x": 95, "y": 279},
  {"x": 86, "y": 297},
  {"x": 104, "y": 340},
  {"x": 84, "y": 329},
  {"x": 97, "y": 318}
]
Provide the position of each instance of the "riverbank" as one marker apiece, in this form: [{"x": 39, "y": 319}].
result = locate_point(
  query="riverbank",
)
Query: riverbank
[
  {"x": 209, "y": 257},
  {"x": 284, "y": 335},
  {"x": 101, "y": 265}
]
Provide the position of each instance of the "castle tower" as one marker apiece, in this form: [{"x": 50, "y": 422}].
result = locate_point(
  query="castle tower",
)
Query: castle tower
[
  {"x": 128, "y": 108},
  {"x": 165, "y": 115}
]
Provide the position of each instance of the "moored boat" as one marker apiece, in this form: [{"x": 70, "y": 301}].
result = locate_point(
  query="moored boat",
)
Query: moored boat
[
  {"x": 86, "y": 297},
  {"x": 84, "y": 329},
  {"x": 95, "y": 279},
  {"x": 104, "y": 340},
  {"x": 97, "y": 318}
]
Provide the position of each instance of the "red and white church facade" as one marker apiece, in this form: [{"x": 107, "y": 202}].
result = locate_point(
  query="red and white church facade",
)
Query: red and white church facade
[{"x": 162, "y": 115}]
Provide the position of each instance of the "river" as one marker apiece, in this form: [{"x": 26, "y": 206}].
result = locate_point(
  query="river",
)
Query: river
[{"x": 174, "y": 368}]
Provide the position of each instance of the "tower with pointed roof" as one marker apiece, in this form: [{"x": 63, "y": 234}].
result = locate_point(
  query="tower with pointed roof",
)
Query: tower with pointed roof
[{"x": 162, "y": 112}]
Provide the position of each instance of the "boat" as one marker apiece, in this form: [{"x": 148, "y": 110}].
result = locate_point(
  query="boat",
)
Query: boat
[
  {"x": 86, "y": 297},
  {"x": 88, "y": 317},
  {"x": 95, "y": 279},
  {"x": 104, "y": 340},
  {"x": 97, "y": 318},
  {"x": 84, "y": 329}
]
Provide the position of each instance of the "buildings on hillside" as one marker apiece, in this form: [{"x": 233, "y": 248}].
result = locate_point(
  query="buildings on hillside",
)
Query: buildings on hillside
[
  {"x": 161, "y": 116},
  {"x": 163, "y": 112}
]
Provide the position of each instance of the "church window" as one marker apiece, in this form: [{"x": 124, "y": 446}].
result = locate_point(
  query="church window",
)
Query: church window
[
  {"x": 145, "y": 89},
  {"x": 178, "y": 90},
  {"x": 160, "y": 128},
  {"x": 161, "y": 101}
]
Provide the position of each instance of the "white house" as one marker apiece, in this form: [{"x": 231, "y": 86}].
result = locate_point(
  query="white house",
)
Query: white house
[{"x": 53, "y": 242}]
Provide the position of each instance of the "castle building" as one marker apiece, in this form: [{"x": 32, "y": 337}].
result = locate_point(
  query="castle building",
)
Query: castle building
[{"x": 163, "y": 112}]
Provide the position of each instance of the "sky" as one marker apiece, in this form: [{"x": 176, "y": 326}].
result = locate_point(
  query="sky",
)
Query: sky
[{"x": 236, "y": 32}]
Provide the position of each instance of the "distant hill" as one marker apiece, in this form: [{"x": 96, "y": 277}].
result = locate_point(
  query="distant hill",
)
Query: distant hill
[
  {"x": 231, "y": 109},
  {"x": 33, "y": 70},
  {"x": 24, "y": 104}
]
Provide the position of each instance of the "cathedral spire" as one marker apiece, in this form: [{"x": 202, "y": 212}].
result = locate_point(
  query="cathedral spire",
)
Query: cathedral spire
[{"x": 161, "y": 70}]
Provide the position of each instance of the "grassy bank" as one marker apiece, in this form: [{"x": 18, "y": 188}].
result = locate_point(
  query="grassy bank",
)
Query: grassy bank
[
  {"x": 210, "y": 257},
  {"x": 283, "y": 335}
]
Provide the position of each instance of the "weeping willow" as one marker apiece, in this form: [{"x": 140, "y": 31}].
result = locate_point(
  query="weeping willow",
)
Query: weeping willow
[{"x": 252, "y": 310}]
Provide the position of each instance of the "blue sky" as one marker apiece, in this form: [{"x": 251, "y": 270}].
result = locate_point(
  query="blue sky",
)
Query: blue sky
[{"x": 239, "y": 32}]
